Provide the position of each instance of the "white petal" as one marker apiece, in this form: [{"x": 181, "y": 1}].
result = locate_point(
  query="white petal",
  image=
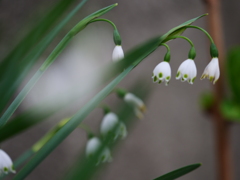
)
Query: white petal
[
  {"x": 117, "y": 54},
  {"x": 135, "y": 101},
  {"x": 110, "y": 120},
  {"x": 187, "y": 71},
  {"x": 162, "y": 71},
  {"x": 5, "y": 162},
  {"x": 212, "y": 70},
  {"x": 92, "y": 146}
]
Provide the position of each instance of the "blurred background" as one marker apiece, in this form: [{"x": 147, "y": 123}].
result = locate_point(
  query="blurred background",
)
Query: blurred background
[{"x": 175, "y": 131}]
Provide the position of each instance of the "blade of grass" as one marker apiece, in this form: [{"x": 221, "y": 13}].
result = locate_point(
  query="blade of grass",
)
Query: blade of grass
[
  {"x": 16, "y": 65},
  {"x": 59, "y": 48},
  {"x": 179, "y": 172}
]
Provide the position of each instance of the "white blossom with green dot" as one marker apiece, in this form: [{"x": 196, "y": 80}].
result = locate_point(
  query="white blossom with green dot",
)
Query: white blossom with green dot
[
  {"x": 93, "y": 146},
  {"x": 212, "y": 71},
  {"x": 187, "y": 71},
  {"x": 162, "y": 72},
  {"x": 6, "y": 164}
]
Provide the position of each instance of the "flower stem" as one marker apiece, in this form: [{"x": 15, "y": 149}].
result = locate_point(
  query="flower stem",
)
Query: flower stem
[
  {"x": 203, "y": 30},
  {"x": 183, "y": 37},
  {"x": 105, "y": 20}
]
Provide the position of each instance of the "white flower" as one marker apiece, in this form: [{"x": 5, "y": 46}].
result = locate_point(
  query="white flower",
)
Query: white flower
[
  {"x": 212, "y": 71},
  {"x": 187, "y": 71},
  {"x": 109, "y": 122},
  {"x": 6, "y": 164},
  {"x": 117, "y": 54},
  {"x": 162, "y": 72},
  {"x": 137, "y": 103},
  {"x": 93, "y": 146}
]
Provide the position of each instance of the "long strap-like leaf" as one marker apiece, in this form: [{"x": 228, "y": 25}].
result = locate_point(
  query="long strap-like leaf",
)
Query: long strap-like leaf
[{"x": 179, "y": 172}]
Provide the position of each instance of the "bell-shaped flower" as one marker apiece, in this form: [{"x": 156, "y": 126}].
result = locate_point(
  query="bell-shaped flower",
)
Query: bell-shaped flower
[
  {"x": 111, "y": 125},
  {"x": 93, "y": 146},
  {"x": 137, "y": 103},
  {"x": 162, "y": 72},
  {"x": 187, "y": 71},
  {"x": 212, "y": 71},
  {"x": 118, "y": 53},
  {"x": 6, "y": 164},
  {"x": 109, "y": 122}
]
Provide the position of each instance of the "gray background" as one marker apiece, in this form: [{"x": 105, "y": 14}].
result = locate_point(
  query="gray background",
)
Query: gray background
[{"x": 175, "y": 132}]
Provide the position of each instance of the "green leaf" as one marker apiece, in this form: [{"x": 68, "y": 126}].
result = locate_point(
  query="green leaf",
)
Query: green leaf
[
  {"x": 233, "y": 72},
  {"x": 55, "y": 53},
  {"x": 177, "y": 31},
  {"x": 17, "y": 64},
  {"x": 179, "y": 172}
]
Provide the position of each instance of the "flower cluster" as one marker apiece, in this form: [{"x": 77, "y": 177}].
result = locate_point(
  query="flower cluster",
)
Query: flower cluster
[
  {"x": 111, "y": 127},
  {"x": 187, "y": 71},
  {"x": 6, "y": 164}
]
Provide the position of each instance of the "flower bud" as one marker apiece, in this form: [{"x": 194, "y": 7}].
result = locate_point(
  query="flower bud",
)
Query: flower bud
[{"x": 118, "y": 53}]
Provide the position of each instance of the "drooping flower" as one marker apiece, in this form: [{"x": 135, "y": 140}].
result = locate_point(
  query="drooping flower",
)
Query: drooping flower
[
  {"x": 137, "y": 103},
  {"x": 92, "y": 147},
  {"x": 6, "y": 164},
  {"x": 212, "y": 71},
  {"x": 162, "y": 72},
  {"x": 187, "y": 71},
  {"x": 110, "y": 123},
  {"x": 118, "y": 53}
]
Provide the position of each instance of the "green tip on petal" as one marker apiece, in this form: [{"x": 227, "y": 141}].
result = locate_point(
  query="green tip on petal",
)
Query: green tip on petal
[
  {"x": 160, "y": 75},
  {"x": 193, "y": 79},
  {"x": 5, "y": 169},
  {"x": 155, "y": 79},
  {"x": 178, "y": 74},
  {"x": 168, "y": 78},
  {"x": 185, "y": 76},
  {"x": 211, "y": 78},
  {"x": 159, "y": 82}
]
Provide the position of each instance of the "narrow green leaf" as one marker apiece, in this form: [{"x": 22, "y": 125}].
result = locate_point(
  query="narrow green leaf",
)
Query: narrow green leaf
[
  {"x": 179, "y": 172},
  {"x": 176, "y": 31},
  {"x": 59, "y": 48},
  {"x": 17, "y": 64},
  {"x": 233, "y": 72}
]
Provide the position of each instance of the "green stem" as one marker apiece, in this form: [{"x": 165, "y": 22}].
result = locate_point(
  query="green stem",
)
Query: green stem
[
  {"x": 55, "y": 53},
  {"x": 203, "y": 30},
  {"x": 182, "y": 37},
  {"x": 106, "y": 20},
  {"x": 167, "y": 56},
  {"x": 163, "y": 44}
]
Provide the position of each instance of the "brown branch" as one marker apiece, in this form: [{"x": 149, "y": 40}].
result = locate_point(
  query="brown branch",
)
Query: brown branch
[{"x": 222, "y": 131}]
